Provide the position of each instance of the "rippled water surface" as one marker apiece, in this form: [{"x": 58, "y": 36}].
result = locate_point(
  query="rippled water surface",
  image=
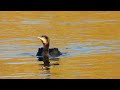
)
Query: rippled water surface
[{"x": 89, "y": 41}]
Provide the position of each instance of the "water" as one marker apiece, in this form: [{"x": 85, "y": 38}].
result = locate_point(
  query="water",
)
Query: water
[{"x": 89, "y": 41}]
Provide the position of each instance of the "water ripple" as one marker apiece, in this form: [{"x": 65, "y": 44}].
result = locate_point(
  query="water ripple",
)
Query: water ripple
[
  {"x": 89, "y": 22},
  {"x": 89, "y": 48}
]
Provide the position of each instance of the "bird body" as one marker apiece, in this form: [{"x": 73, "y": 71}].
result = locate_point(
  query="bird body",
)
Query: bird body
[
  {"x": 54, "y": 52},
  {"x": 45, "y": 51}
]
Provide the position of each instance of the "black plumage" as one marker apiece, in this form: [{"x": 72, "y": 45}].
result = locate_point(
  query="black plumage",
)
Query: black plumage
[{"x": 45, "y": 51}]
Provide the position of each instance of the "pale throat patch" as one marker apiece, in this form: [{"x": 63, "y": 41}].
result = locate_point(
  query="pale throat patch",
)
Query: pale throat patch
[{"x": 44, "y": 40}]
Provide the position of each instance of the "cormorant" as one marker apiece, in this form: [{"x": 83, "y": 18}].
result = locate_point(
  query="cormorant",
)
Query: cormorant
[{"x": 44, "y": 52}]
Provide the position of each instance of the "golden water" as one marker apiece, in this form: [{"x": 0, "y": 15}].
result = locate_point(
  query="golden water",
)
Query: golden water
[{"x": 89, "y": 41}]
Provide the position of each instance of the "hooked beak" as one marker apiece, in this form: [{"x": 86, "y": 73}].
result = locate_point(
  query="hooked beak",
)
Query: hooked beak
[
  {"x": 43, "y": 40},
  {"x": 40, "y": 38}
]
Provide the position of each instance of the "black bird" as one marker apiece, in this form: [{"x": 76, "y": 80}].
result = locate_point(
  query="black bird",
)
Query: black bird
[{"x": 45, "y": 51}]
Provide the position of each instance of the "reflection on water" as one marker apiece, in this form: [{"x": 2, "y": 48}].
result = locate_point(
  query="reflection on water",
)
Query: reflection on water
[{"x": 89, "y": 42}]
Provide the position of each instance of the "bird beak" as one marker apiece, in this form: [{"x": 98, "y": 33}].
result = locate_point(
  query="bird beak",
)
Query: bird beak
[
  {"x": 43, "y": 39},
  {"x": 39, "y": 37}
]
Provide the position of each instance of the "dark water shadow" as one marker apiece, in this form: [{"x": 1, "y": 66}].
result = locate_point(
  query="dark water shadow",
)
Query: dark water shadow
[
  {"x": 46, "y": 61},
  {"x": 47, "y": 66}
]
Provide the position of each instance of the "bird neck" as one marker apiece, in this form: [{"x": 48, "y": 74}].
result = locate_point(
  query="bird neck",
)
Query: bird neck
[
  {"x": 46, "y": 50},
  {"x": 46, "y": 46},
  {"x": 46, "y": 55}
]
